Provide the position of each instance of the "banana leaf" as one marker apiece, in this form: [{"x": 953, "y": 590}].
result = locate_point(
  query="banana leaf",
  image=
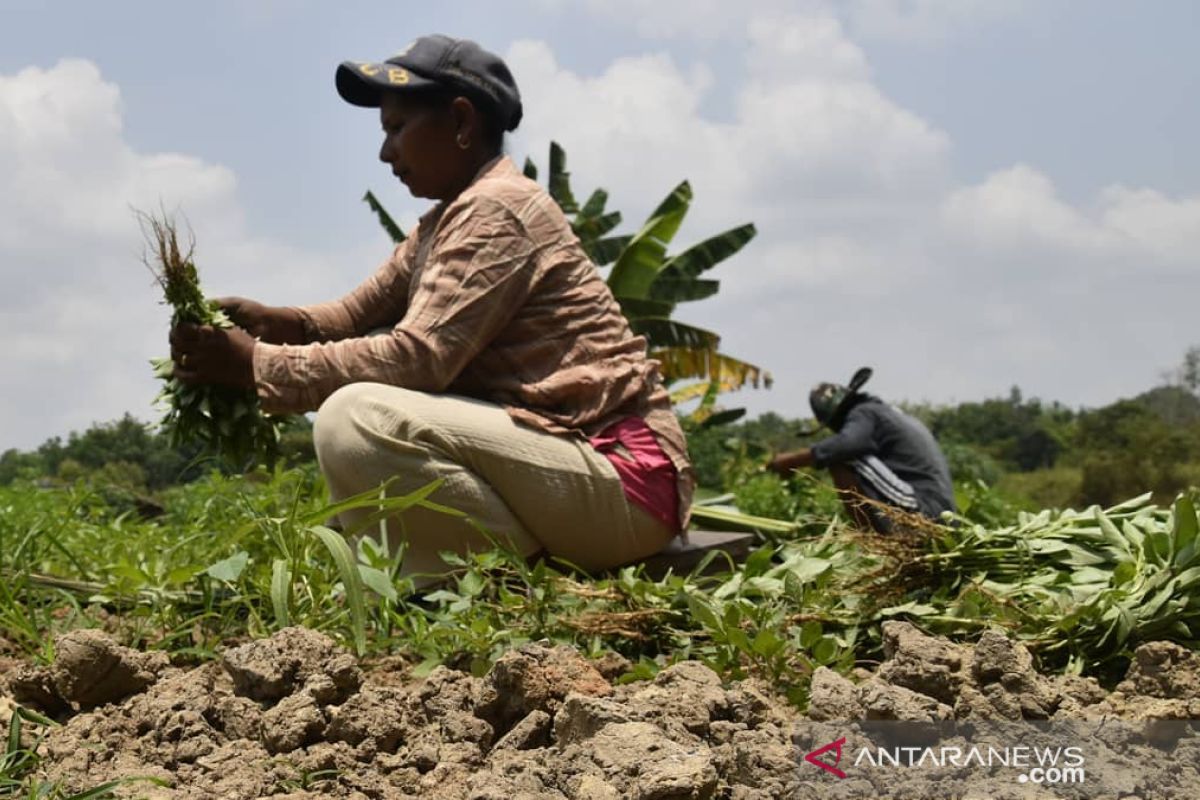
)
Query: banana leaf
[
  {"x": 641, "y": 261},
  {"x": 707, "y": 254}
]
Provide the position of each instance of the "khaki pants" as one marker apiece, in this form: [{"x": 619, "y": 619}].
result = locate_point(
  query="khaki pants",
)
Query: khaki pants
[{"x": 535, "y": 490}]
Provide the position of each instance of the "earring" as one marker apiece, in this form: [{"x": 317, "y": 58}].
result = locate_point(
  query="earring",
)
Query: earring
[{"x": 463, "y": 142}]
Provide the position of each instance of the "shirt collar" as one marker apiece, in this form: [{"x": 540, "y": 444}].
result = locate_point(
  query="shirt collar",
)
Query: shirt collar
[{"x": 500, "y": 165}]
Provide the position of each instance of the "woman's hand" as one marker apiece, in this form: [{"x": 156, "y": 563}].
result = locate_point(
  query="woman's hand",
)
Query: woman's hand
[
  {"x": 272, "y": 324},
  {"x": 204, "y": 354}
]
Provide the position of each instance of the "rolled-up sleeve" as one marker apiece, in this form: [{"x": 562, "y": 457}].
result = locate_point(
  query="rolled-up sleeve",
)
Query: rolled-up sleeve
[
  {"x": 478, "y": 273},
  {"x": 379, "y": 300}
]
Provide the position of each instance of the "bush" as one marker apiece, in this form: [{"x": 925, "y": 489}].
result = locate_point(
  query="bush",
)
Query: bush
[{"x": 1056, "y": 487}]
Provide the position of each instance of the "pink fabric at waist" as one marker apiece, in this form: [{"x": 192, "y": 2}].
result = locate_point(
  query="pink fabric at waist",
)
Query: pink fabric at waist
[{"x": 647, "y": 475}]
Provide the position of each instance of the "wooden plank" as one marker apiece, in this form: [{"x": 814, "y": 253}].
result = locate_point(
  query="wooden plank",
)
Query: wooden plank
[{"x": 682, "y": 557}]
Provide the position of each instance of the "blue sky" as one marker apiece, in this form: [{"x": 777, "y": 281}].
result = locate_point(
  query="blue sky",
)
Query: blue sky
[{"x": 965, "y": 194}]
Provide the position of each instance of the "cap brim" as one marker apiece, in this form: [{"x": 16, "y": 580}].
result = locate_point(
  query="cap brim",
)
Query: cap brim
[{"x": 362, "y": 83}]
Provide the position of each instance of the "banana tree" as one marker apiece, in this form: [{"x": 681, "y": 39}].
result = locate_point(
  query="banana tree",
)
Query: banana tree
[{"x": 649, "y": 283}]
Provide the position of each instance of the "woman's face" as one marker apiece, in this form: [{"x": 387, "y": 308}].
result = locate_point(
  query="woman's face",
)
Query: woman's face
[{"x": 421, "y": 144}]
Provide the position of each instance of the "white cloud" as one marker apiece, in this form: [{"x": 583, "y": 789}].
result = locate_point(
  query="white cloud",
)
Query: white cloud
[
  {"x": 80, "y": 315},
  {"x": 1018, "y": 208},
  {"x": 1017, "y": 211},
  {"x": 787, "y": 47},
  {"x": 1167, "y": 228},
  {"x": 914, "y": 21},
  {"x": 62, "y": 131},
  {"x": 694, "y": 19},
  {"x": 810, "y": 132},
  {"x": 923, "y": 20}
]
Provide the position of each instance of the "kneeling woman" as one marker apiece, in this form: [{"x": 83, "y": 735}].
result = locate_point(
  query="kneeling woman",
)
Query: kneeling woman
[{"x": 507, "y": 369}]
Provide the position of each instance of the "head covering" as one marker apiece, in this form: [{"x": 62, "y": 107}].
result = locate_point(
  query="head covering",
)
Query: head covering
[
  {"x": 825, "y": 400},
  {"x": 432, "y": 62},
  {"x": 830, "y": 402}
]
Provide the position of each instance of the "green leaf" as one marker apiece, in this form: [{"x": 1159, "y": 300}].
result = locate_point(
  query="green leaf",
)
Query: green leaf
[
  {"x": 1090, "y": 575},
  {"x": 1083, "y": 557},
  {"x": 1189, "y": 578},
  {"x": 703, "y": 613},
  {"x": 1111, "y": 534},
  {"x": 807, "y": 569},
  {"x": 371, "y": 498},
  {"x": 181, "y": 575},
  {"x": 1186, "y": 524},
  {"x": 663, "y": 332},
  {"x": 343, "y": 558},
  {"x": 707, "y": 254},
  {"x": 594, "y": 207},
  {"x": 559, "y": 182},
  {"x": 470, "y": 584},
  {"x": 1125, "y": 623},
  {"x": 810, "y": 634},
  {"x": 385, "y": 219},
  {"x": 1158, "y": 546},
  {"x": 739, "y": 639},
  {"x": 281, "y": 592},
  {"x": 1124, "y": 573},
  {"x": 729, "y": 588},
  {"x": 725, "y": 417},
  {"x": 677, "y": 290},
  {"x": 1150, "y": 609},
  {"x": 378, "y": 582},
  {"x": 912, "y": 608},
  {"x": 229, "y": 569},
  {"x": 640, "y": 262},
  {"x": 825, "y": 650},
  {"x": 767, "y": 643},
  {"x": 758, "y": 562},
  {"x": 590, "y": 228},
  {"x": 637, "y": 308},
  {"x": 14, "y": 735},
  {"x": 606, "y": 251}
]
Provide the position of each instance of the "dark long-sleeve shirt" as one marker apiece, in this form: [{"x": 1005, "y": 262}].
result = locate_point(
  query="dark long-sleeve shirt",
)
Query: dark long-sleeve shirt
[{"x": 898, "y": 440}]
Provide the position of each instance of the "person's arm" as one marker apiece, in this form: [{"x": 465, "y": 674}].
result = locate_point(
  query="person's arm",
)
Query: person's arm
[
  {"x": 854, "y": 440},
  {"x": 378, "y": 301},
  {"x": 477, "y": 276},
  {"x": 785, "y": 463},
  {"x": 274, "y": 324}
]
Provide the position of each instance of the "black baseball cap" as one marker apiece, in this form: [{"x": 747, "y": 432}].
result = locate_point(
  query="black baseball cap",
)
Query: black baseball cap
[{"x": 432, "y": 62}]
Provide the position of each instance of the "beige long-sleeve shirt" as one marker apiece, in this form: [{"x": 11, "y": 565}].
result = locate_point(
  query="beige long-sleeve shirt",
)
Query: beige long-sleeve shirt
[{"x": 492, "y": 297}]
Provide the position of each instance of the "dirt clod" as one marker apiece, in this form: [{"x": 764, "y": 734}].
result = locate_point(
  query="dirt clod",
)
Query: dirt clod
[
  {"x": 271, "y": 669},
  {"x": 1163, "y": 669},
  {"x": 89, "y": 670},
  {"x": 293, "y": 717},
  {"x": 922, "y": 663}
]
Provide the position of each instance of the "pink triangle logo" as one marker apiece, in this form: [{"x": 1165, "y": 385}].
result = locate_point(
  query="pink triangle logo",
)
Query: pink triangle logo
[{"x": 837, "y": 748}]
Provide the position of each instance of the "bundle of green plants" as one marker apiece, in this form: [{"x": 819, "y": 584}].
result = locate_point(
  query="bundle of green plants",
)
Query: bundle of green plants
[
  {"x": 1080, "y": 587},
  {"x": 225, "y": 422}
]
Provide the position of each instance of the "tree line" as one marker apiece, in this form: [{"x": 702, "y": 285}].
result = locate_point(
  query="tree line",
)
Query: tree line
[{"x": 1038, "y": 454}]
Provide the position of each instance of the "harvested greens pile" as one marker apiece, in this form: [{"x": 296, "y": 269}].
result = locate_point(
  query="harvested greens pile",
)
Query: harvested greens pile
[
  {"x": 225, "y": 422},
  {"x": 1075, "y": 586}
]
